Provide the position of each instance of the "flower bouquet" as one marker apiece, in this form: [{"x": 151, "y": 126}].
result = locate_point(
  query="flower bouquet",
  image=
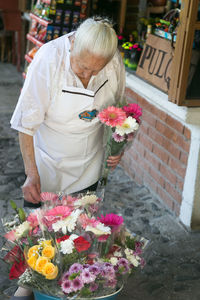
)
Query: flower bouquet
[
  {"x": 120, "y": 126},
  {"x": 62, "y": 252}
]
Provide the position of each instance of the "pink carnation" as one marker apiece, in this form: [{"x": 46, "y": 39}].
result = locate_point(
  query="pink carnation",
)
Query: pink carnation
[
  {"x": 85, "y": 221},
  {"x": 111, "y": 220},
  {"x": 33, "y": 220},
  {"x": 133, "y": 110},
  {"x": 112, "y": 116}
]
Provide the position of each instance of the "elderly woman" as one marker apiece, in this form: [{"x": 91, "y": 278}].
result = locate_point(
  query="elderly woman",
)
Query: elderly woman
[{"x": 70, "y": 80}]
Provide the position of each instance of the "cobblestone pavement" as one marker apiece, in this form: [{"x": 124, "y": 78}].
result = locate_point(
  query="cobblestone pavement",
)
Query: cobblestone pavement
[{"x": 172, "y": 271}]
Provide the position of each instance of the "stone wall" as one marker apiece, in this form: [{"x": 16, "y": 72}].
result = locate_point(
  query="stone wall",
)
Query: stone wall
[{"x": 158, "y": 157}]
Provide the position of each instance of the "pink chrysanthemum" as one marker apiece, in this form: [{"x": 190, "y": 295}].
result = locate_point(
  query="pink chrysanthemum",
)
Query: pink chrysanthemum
[
  {"x": 118, "y": 138},
  {"x": 87, "y": 277},
  {"x": 133, "y": 110},
  {"x": 111, "y": 220},
  {"x": 77, "y": 284},
  {"x": 112, "y": 116},
  {"x": 67, "y": 286}
]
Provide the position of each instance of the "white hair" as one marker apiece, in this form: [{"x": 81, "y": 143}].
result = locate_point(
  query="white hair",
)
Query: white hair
[{"x": 96, "y": 36}]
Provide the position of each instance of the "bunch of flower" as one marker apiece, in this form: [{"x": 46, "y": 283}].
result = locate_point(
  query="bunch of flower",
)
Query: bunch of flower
[
  {"x": 81, "y": 254},
  {"x": 121, "y": 123}
]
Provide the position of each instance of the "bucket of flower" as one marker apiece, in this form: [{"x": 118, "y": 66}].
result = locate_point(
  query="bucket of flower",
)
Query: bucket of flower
[{"x": 62, "y": 251}]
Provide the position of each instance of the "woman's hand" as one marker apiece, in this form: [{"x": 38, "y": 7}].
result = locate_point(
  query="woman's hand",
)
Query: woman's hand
[
  {"x": 113, "y": 161},
  {"x": 31, "y": 188}
]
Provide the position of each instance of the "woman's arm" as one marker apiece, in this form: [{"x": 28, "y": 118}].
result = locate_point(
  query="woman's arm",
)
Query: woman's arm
[{"x": 31, "y": 187}]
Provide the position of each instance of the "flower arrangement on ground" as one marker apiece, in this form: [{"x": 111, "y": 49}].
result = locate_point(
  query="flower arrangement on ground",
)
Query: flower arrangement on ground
[
  {"x": 65, "y": 252},
  {"x": 120, "y": 126}
]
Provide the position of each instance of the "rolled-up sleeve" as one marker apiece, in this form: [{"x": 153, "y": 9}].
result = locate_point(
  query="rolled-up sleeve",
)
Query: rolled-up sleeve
[{"x": 35, "y": 95}]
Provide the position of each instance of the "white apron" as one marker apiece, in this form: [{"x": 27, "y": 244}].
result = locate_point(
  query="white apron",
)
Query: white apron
[{"x": 69, "y": 150}]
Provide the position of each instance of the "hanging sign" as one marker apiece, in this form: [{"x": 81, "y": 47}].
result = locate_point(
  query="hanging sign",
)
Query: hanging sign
[{"x": 155, "y": 62}]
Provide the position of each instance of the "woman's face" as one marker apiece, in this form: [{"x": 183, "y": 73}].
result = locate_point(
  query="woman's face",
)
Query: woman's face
[{"x": 87, "y": 64}]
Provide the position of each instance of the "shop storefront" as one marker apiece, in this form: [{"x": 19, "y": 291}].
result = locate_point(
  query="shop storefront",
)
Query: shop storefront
[{"x": 166, "y": 153}]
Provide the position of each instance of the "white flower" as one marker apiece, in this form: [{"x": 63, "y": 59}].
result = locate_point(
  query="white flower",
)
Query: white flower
[
  {"x": 114, "y": 261},
  {"x": 21, "y": 229},
  {"x": 88, "y": 199},
  {"x": 67, "y": 246},
  {"x": 117, "y": 253},
  {"x": 73, "y": 237},
  {"x": 67, "y": 224},
  {"x": 128, "y": 126},
  {"x": 100, "y": 229},
  {"x": 134, "y": 259}
]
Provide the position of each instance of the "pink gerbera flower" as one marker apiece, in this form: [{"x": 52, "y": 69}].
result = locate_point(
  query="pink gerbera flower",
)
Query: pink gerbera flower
[
  {"x": 60, "y": 211},
  {"x": 46, "y": 196},
  {"x": 112, "y": 116},
  {"x": 133, "y": 110}
]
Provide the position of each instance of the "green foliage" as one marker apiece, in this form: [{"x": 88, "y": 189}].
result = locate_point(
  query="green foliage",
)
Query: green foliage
[
  {"x": 22, "y": 215},
  {"x": 74, "y": 275},
  {"x": 130, "y": 243},
  {"x": 85, "y": 292},
  {"x": 13, "y": 205}
]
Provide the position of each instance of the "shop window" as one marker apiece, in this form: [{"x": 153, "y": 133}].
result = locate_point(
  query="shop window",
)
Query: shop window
[{"x": 186, "y": 62}]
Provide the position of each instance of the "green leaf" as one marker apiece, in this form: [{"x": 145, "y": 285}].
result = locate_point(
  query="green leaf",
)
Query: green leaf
[
  {"x": 22, "y": 215},
  {"x": 30, "y": 241},
  {"x": 13, "y": 205}
]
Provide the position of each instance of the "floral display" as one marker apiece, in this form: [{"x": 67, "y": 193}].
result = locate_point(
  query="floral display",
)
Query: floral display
[
  {"x": 63, "y": 250},
  {"x": 120, "y": 126}
]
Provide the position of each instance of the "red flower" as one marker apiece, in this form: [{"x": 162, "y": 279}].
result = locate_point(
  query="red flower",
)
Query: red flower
[
  {"x": 17, "y": 269},
  {"x": 13, "y": 255},
  {"x": 63, "y": 238},
  {"x": 81, "y": 244}
]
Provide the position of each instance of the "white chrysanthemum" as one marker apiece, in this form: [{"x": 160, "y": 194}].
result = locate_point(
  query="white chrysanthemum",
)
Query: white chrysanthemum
[
  {"x": 67, "y": 246},
  {"x": 21, "y": 229},
  {"x": 114, "y": 261},
  {"x": 127, "y": 127},
  {"x": 88, "y": 199},
  {"x": 134, "y": 259},
  {"x": 100, "y": 229},
  {"x": 69, "y": 223}
]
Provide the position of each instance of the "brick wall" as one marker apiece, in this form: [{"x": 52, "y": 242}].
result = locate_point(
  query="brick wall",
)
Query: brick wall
[{"x": 159, "y": 154}]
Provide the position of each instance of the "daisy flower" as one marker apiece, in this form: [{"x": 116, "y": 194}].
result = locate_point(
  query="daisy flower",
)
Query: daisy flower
[
  {"x": 112, "y": 116},
  {"x": 127, "y": 127},
  {"x": 118, "y": 138}
]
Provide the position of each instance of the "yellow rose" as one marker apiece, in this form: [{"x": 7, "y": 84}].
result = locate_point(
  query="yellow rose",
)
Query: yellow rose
[
  {"x": 40, "y": 263},
  {"x": 48, "y": 252},
  {"x": 33, "y": 251},
  {"x": 31, "y": 261},
  {"x": 46, "y": 243},
  {"x": 50, "y": 271}
]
